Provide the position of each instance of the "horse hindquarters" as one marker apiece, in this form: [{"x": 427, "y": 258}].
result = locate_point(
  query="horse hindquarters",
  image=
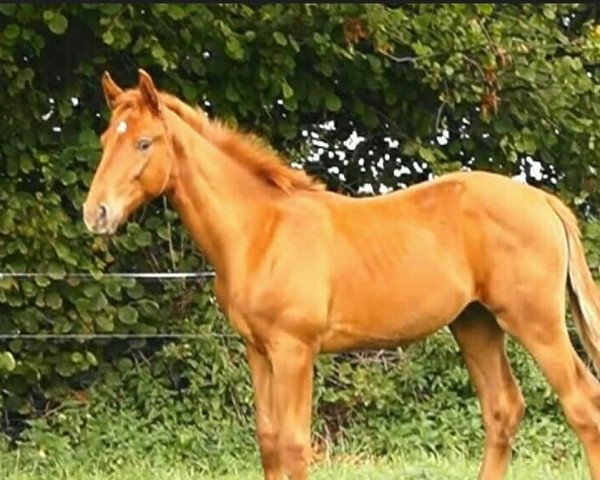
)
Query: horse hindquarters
[{"x": 526, "y": 292}]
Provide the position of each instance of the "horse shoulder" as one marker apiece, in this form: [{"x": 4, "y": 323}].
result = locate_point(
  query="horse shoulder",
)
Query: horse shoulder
[{"x": 286, "y": 281}]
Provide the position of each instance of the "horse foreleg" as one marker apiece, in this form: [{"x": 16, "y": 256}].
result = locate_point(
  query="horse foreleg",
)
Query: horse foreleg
[
  {"x": 266, "y": 421},
  {"x": 293, "y": 362}
]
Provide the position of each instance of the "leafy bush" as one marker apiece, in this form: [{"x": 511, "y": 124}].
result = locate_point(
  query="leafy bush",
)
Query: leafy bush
[{"x": 191, "y": 404}]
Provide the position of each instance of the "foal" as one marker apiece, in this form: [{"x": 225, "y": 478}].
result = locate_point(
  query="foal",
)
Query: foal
[{"x": 302, "y": 271}]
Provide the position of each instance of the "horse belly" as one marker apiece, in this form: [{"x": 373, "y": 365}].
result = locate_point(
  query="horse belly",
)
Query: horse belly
[{"x": 374, "y": 318}]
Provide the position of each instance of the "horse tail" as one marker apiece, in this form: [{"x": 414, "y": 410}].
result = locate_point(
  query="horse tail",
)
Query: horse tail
[{"x": 584, "y": 296}]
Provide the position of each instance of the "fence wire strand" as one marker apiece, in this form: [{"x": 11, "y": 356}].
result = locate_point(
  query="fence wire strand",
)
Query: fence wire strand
[
  {"x": 110, "y": 336},
  {"x": 99, "y": 276}
]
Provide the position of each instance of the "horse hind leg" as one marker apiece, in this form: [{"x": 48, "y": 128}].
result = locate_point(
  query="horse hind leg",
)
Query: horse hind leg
[
  {"x": 481, "y": 341},
  {"x": 538, "y": 323}
]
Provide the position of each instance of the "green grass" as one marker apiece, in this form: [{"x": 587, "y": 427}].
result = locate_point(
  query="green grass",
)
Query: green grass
[{"x": 407, "y": 468}]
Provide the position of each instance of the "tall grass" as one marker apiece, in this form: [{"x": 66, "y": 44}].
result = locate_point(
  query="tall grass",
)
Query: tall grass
[{"x": 407, "y": 467}]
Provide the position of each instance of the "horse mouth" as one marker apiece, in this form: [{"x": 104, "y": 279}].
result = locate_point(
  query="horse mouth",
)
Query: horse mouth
[
  {"x": 103, "y": 228},
  {"x": 108, "y": 231},
  {"x": 102, "y": 224}
]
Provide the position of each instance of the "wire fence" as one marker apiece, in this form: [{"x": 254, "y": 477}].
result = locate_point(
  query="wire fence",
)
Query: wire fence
[
  {"x": 100, "y": 275},
  {"x": 112, "y": 336},
  {"x": 148, "y": 276}
]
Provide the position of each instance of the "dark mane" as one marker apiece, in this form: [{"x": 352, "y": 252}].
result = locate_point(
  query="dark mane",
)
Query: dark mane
[{"x": 246, "y": 148}]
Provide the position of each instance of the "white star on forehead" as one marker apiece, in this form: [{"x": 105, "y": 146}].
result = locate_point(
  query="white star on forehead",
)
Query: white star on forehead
[{"x": 122, "y": 126}]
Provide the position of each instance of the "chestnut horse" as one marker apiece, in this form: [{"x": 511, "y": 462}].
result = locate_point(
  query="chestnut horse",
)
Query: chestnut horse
[{"x": 301, "y": 270}]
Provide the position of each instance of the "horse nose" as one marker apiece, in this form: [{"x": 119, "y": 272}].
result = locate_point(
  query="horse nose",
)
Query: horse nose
[
  {"x": 102, "y": 212},
  {"x": 95, "y": 218}
]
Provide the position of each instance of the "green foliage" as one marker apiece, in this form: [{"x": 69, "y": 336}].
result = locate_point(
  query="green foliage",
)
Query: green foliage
[
  {"x": 506, "y": 83},
  {"x": 420, "y": 399},
  {"x": 192, "y": 403}
]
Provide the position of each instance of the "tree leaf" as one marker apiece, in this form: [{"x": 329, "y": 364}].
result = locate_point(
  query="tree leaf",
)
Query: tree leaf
[
  {"x": 56, "y": 271},
  {"x": 108, "y": 37},
  {"x": 333, "y": 102},
  {"x": 280, "y": 38},
  {"x": 76, "y": 357},
  {"x": 65, "y": 368},
  {"x": 286, "y": 89},
  {"x": 426, "y": 154},
  {"x": 12, "y": 31},
  {"x": 91, "y": 358},
  {"x": 104, "y": 322},
  {"x": 53, "y": 300},
  {"x": 7, "y": 362},
  {"x": 68, "y": 178},
  {"x": 7, "y": 9},
  {"x": 234, "y": 48},
  {"x": 128, "y": 315},
  {"x": 113, "y": 290},
  {"x": 58, "y": 24},
  {"x": 125, "y": 364}
]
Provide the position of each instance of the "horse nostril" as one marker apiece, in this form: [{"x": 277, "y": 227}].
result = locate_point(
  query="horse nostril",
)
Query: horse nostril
[{"x": 102, "y": 211}]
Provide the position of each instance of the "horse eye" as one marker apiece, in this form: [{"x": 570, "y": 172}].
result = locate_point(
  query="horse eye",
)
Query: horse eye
[{"x": 144, "y": 144}]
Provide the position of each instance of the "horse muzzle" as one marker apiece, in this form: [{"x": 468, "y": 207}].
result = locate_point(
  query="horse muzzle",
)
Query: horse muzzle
[{"x": 101, "y": 218}]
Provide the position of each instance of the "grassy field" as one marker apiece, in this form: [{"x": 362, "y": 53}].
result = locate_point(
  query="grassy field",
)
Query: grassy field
[{"x": 421, "y": 468}]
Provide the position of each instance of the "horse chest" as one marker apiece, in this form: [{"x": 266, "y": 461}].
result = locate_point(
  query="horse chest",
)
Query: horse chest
[
  {"x": 240, "y": 324},
  {"x": 243, "y": 317},
  {"x": 259, "y": 315},
  {"x": 229, "y": 304}
]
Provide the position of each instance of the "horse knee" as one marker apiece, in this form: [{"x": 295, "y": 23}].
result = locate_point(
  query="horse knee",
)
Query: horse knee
[
  {"x": 267, "y": 439},
  {"x": 268, "y": 444},
  {"x": 295, "y": 454}
]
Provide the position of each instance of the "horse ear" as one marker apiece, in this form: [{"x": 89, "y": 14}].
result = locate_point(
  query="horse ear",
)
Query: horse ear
[
  {"x": 148, "y": 90},
  {"x": 111, "y": 89}
]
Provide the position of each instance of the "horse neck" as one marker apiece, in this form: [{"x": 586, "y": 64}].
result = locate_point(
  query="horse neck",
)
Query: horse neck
[{"x": 219, "y": 200}]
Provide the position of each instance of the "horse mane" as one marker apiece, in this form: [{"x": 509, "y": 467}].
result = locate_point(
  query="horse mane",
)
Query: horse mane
[{"x": 246, "y": 148}]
